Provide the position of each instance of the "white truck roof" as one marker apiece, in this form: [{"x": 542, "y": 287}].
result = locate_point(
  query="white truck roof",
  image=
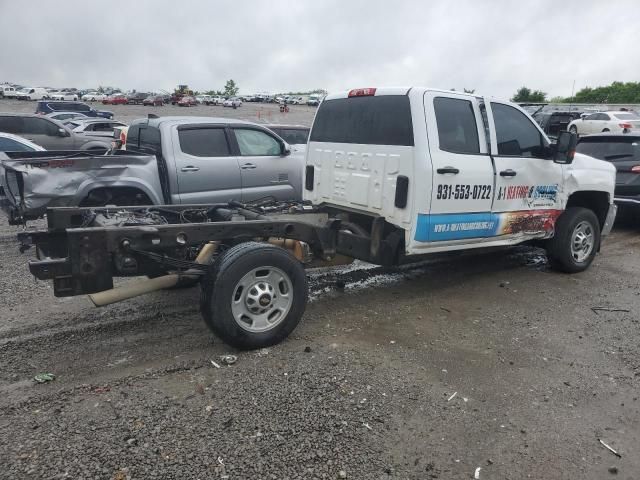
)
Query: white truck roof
[{"x": 391, "y": 91}]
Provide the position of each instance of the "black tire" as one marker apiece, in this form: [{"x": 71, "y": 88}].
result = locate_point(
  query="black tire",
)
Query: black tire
[
  {"x": 573, "y": 129},
  {"x": 559, "y": 248},
  {"x": 220, "y": 284},
  {"x": 605, "y": 130}
]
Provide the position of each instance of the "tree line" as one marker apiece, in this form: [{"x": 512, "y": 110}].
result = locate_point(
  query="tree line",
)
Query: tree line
[{"x": 617, "y": 92}]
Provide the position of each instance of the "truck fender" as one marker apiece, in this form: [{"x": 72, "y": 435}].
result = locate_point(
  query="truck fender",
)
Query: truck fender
[
  {"x": 95, "y": 144},
  {"x": 138, "y": 184}
]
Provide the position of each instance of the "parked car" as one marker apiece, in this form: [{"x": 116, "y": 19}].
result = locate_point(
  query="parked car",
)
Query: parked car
[
  {"x": 48, "y": 133},
  {"x": 555, "y": 122},
  {"x": 15, "y": 143},
  {"x": 615, "y": 122},
  {"x": 70, "y": 96},
  {"x": 32, "y": 93},
  {"x": 623, "y": 151},
  {"x": 187, "y": 101},
  {"x": 63, "y": 116},
  {"x": 118, "y": 99},
  {"x": 93, "y": 97},
  {"x": 49, "y": 106},
  {"x": 204, "y": 160},
  {"x": 7, "y": 91},
  {"x": 136, "y": 98},
  {"x": 153, "y": 101},
  {"x": 295, "y": 135},
  {"x": 232, "y": 102},
  {"x": 218, "y": 100},
  {"x": 97, "y": 127},
  {"x": 314, "y": 100}
]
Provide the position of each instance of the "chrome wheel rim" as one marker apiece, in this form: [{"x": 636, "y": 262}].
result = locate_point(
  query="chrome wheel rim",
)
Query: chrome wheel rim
[
  {"x": 582, "y": 241},
  {"x": 262, "y": 299}
]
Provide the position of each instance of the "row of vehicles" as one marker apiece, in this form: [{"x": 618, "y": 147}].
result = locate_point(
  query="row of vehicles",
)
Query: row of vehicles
[
  {"x": 586, "y": 123},
  {"x": 387, "y": 176}
]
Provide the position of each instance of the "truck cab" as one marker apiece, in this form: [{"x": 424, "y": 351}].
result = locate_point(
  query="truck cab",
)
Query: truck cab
[{"x": 454, "y": 171}]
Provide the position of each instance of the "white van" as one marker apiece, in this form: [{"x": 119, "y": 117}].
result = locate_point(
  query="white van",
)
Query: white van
[
  {"x": 7, "y": 91},
  {"x": 32, "y": 93}
]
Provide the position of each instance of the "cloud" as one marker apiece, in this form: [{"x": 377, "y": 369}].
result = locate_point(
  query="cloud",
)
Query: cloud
[{"x": 494, "y": 47}]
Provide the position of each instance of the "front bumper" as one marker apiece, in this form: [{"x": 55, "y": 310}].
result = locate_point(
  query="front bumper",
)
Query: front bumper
[{"x": 611, "y": 217}]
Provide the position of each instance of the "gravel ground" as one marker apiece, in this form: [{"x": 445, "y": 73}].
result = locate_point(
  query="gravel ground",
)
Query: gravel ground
[
  {"x": 363, "y": 389},
  {"x": 464, "y": 361}
]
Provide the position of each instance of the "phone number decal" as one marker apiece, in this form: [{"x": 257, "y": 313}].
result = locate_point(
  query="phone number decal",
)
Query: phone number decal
[{"x": 463, "y": 192}]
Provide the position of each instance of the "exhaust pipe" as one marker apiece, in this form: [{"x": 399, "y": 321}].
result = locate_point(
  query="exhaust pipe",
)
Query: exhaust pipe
[{"x": 140, "y": 287}]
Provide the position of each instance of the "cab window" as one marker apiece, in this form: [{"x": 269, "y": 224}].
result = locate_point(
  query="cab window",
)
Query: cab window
[
  {"x": 256, "y": 143},
  {"x": 39, "y": 126},
  {"x": 517, "y": 136},
  {"x": 204, "y": 142},
  {"x": 457, "y": 128}
]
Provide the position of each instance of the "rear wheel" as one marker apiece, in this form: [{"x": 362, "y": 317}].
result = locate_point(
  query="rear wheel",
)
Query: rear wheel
[
  {"x": 254, "y": 296},
  {"x": 576, "y": 240},
  {"x": 605, "y": 130}
]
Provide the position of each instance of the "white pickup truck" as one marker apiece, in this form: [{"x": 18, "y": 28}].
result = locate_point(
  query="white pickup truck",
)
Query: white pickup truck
[{"x": 391, "y": 174}]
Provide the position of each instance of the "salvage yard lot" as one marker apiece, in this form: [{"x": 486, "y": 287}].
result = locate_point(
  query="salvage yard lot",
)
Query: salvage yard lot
[
  {"x": 253, "y": 112},
  {"x": 538, "y": 376}
]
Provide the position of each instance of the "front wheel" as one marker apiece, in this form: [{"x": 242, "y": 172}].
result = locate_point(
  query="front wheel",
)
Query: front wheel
[
  {"x": 254, "y": 296},
  {"x": 576, "y": 240},
  {"x": 573, "y": 129}
]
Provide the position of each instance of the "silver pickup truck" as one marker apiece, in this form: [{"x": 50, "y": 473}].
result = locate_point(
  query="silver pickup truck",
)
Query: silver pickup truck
[{"x": 168, "y": 160}]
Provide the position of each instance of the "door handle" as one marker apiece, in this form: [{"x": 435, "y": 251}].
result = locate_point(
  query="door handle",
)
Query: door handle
[
  {"x": 444, "y": 170},
  {"x": 190, "y": 169},
  {"x": 248, "y": 166},
  {"x": 508, "y": 173}
]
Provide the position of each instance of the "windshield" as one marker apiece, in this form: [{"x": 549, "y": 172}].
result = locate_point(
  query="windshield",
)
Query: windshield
[{"x": 627, "y": 116}]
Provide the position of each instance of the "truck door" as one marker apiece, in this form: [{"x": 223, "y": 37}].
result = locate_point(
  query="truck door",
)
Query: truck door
[
  {"x": 206, "y": 170},
  {"x": 264, "y": 170},
  {"x": 527, "y": 193},
  {"x": 462, "y": 172}
]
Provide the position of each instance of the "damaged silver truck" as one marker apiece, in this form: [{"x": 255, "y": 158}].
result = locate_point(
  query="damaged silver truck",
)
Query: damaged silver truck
[
  {"x": 391, "y": 174},
  {"x": 169, "y": 160}
]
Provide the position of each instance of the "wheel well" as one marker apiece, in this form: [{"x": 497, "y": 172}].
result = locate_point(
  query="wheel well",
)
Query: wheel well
[
  {"x": 598, "y": 202},
  {"x": 121, "y": 196}
]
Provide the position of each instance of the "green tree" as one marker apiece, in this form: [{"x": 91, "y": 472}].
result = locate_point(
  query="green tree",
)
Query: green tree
[
  {"x": 617, "y": 92},
  {"x": 230, "y": 89},
  {"x": 525, "y": 94}
]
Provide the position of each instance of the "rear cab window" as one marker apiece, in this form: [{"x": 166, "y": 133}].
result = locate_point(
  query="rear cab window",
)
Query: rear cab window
[
  {"x": 204, "y": 141},
  {"x": 367, "y": 120},
  {"x": 457, "y": 127}
]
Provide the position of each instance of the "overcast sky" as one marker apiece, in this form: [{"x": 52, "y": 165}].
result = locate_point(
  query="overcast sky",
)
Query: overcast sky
[{"x": 275, "y": 46}]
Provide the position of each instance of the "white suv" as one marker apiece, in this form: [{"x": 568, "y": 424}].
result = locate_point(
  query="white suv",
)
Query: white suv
[{"x": 615, "y": 122}]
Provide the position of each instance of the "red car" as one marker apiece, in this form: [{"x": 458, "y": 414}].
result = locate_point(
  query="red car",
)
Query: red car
[
  {"x": 153, "y": 100},
  {"x": 187, "y": 102},
  {"x": 115, "y": 100}
]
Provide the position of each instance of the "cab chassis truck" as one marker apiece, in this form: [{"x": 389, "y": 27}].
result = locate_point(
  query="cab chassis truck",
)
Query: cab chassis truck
[{"x": 391, "y": 174}]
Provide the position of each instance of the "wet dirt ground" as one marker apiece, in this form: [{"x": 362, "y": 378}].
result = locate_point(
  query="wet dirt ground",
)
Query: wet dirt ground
[{"x": 465, "y": 361}]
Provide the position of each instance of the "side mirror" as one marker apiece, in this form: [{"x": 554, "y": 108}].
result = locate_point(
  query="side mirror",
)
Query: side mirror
[
  {"x": 285, "y": 149},
  {"x": 565, "y": 148},
  {"x": 62, "y": 132}
]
